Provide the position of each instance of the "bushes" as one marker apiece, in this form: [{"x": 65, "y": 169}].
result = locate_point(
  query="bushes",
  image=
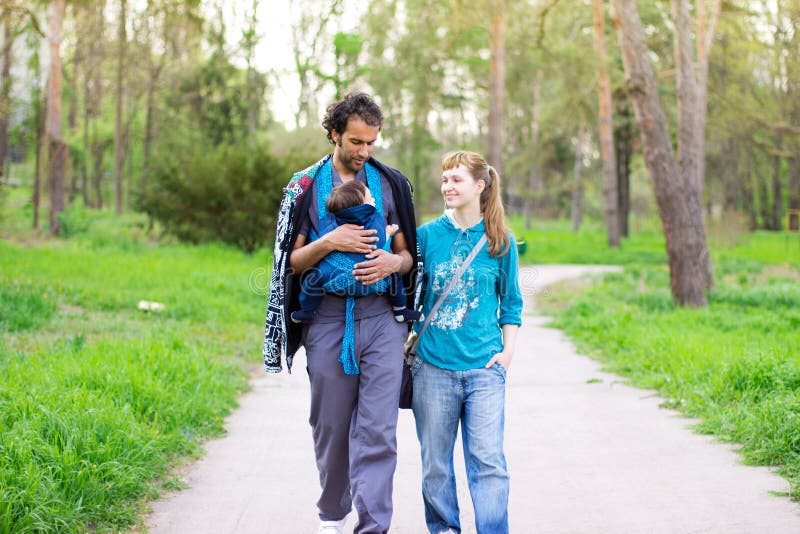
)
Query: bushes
[
  {"x": 75, "y": 220},
  {"x": 201, "y": 193}
]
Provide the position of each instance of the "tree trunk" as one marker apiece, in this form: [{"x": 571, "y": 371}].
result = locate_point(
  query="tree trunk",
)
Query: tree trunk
[
  {"x": 37, "y": 177},
  {"x": 151, "y": 85},
  {"x": 623, "y": 148},
  {"x": 777, "y": 190},
  {"x": 749, "y": 204},
  {"x": 39, "y": 106},
  {"x": 497, "y": 76},
  {"x": 732, "y": 186},
  {"x": 610, "y": 186},
  {"x": 688, "y": 125},
  {"x": 706, "y": 28},
  {"x": 58, "y": 151},
  {"x": 764, "y": 204},
  {"x": 678, "y": 204},
  {"x": 794, "y": 182},
  {"x": 84, "y": 49},
  {"x": 793, "y": 100},
  {"x": 252, "y": 92},
  {"x": 5, "y": 91},
  {"x": 91, "y": 91},
  {"x": 148, "y": 131},
  {"x": 577, "y": 184},
  {"x": 118, "y": 148},
  {"x": 686, "y": 91},
  {"x": 72, "y": 123},
  {"x": 98, "y": 153},
  {"x": 130, "y": 114},
  {"x": 533, "y": 174},
  {"x": 85, "y": 126}
]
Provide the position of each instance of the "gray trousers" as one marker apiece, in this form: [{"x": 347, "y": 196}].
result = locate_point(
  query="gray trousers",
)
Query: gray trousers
[{"x": 354, "y": 418}]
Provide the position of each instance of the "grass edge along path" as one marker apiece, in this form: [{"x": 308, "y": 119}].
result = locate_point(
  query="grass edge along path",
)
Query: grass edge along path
[
  {"x": 734, "y": 365},
  {"x": 98, "y": 401}
]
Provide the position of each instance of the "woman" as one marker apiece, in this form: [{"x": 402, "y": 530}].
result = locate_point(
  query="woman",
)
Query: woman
[{"x": 464, "y": 353}]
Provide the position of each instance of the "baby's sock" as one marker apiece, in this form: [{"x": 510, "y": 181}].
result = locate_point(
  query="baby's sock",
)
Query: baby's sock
[{"x": 404, "y": 315}]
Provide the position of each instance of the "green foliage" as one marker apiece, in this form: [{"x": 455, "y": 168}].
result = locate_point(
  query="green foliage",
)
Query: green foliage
[
  {"x": 98, "y": 399},
  {"x": 213, "y": 96},
  {"x": 298, "y": 148},
  {"x": 734, "y": 365},
  {"x": 228, "y": 193},
  {"x": 74, "y": 220}
]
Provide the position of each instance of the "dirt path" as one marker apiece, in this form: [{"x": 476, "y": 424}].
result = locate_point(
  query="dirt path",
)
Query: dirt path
[{"x": 587, "y": 454}]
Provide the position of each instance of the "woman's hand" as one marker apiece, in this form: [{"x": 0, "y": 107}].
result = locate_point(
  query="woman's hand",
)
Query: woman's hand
[
  {"x": 509, "y": 342},
  {"x": 503, "y": 358}
]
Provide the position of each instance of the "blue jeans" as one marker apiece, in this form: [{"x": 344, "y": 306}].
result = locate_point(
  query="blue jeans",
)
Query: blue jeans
[{"x": 476, "y": 399}]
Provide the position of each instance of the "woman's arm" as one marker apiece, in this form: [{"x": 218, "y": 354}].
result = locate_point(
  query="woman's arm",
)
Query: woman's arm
[
  {"x": 510, "y": 303},
  {"x": 509, "y": 344}
]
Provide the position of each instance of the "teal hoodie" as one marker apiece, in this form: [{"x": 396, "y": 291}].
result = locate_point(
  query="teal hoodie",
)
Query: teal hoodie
[{"x": 466, "y": 331}]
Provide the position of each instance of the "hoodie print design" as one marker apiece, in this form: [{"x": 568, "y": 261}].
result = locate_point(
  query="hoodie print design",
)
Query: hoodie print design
[{"x": 462, "y": 298}]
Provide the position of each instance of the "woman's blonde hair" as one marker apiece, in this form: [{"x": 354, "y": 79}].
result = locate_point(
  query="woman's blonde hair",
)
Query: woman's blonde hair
[{"x": 494, "y": 215}]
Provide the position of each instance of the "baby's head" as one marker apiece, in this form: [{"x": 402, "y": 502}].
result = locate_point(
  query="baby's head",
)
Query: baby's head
[{"x": 347, "y": 195}]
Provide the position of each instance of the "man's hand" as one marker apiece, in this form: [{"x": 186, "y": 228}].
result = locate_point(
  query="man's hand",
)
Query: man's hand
[
  {"x": 380, "y": 265},
  {"x": 352, "y": 238}
]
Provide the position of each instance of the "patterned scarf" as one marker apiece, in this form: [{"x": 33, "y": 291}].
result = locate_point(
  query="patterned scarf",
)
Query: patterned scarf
[{"x": 275, "y": 335}]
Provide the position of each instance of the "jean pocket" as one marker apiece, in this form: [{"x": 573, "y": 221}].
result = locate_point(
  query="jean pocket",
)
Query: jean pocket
[
  {"x": 498, "y": 367},
  {"x": 416, "y": 365}
]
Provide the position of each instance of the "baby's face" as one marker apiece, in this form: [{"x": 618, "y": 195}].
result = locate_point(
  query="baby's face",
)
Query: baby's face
[{"x": 368, "y": 198}]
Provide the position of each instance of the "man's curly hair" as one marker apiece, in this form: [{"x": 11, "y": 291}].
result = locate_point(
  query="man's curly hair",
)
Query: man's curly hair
[{"x": 358, "y": 104}]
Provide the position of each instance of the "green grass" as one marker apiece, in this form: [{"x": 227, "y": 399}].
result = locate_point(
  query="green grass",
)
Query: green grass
[
  {"x": 98, "y": 400},
  {"x": 735, "y": 365},
  {"x": 554, "y": 242}
]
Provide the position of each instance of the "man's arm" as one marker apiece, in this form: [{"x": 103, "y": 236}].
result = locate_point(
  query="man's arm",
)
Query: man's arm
[
  {"x": 381, "y": 264},
  {"x": 345, "y": 238}
]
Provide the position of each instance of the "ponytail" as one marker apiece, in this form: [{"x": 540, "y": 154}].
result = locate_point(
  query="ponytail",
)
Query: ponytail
[{"x": 494, "y": 215}]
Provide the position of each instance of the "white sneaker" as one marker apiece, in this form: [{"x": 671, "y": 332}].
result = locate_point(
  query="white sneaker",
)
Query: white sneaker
[{"x": 331, "y": 527}]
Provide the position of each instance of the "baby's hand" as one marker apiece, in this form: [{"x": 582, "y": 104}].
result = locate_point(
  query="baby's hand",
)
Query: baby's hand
[{"x": 391, "y": 229}]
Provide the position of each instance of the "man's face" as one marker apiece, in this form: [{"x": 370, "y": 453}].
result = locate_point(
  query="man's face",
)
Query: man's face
[{"x": 354, "y": 146}]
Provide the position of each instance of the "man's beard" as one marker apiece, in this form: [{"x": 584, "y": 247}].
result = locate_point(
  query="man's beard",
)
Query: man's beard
[{"x": 347, "y": 161}]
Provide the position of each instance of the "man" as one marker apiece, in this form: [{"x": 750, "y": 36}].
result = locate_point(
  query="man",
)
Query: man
[{"x": 353, "y": 416}]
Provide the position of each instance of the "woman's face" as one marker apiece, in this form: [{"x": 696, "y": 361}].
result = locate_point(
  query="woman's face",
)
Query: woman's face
[{"x": 460, "y": 189}]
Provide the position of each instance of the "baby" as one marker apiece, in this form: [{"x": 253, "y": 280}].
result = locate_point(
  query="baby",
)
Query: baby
[{"x": 352, "y": 203}]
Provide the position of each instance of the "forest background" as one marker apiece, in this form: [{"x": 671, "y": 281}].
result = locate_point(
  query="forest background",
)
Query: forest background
[
  {"x": 144, "y": 147},
  {"x": 158, "y": 101}
]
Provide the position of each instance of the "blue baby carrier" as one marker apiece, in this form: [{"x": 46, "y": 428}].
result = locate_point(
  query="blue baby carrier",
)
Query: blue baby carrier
[{"x": 344, "y": 283}]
